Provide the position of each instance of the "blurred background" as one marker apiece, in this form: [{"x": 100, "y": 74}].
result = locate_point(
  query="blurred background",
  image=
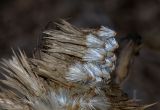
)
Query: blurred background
[{"x": 22, "y": 22}]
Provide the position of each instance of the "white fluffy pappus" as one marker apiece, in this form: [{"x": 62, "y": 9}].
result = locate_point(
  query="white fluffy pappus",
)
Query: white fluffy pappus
[
  {"x": 105, "y": 33},
  {"x": 77, "y": 74},
  {"x": 87, "y": 72},
  {"x": 113, "y": 42},
  {"x": 97, "y": 55},
  {"x": 51, "y": 101},
  {"x": 94, "y": 103},
  {"x": 94, "y": 42}
]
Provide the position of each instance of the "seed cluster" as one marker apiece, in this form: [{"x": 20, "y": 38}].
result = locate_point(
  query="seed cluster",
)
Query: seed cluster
[
  {"x": 72, "y": 72},
  {"x": 99, "y": 59}
]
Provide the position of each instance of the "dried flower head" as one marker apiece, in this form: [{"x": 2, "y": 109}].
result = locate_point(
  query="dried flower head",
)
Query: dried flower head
[{"x": 74, "y": 72}]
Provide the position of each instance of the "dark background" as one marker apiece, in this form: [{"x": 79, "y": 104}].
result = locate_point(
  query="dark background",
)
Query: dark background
[{"x": 22, "y": 22}]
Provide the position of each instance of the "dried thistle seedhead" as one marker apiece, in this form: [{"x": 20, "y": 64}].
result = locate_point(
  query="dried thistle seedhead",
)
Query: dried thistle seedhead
[
  {"x": 73, "y": 73},
  {"x": 68, "y": 45}
]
